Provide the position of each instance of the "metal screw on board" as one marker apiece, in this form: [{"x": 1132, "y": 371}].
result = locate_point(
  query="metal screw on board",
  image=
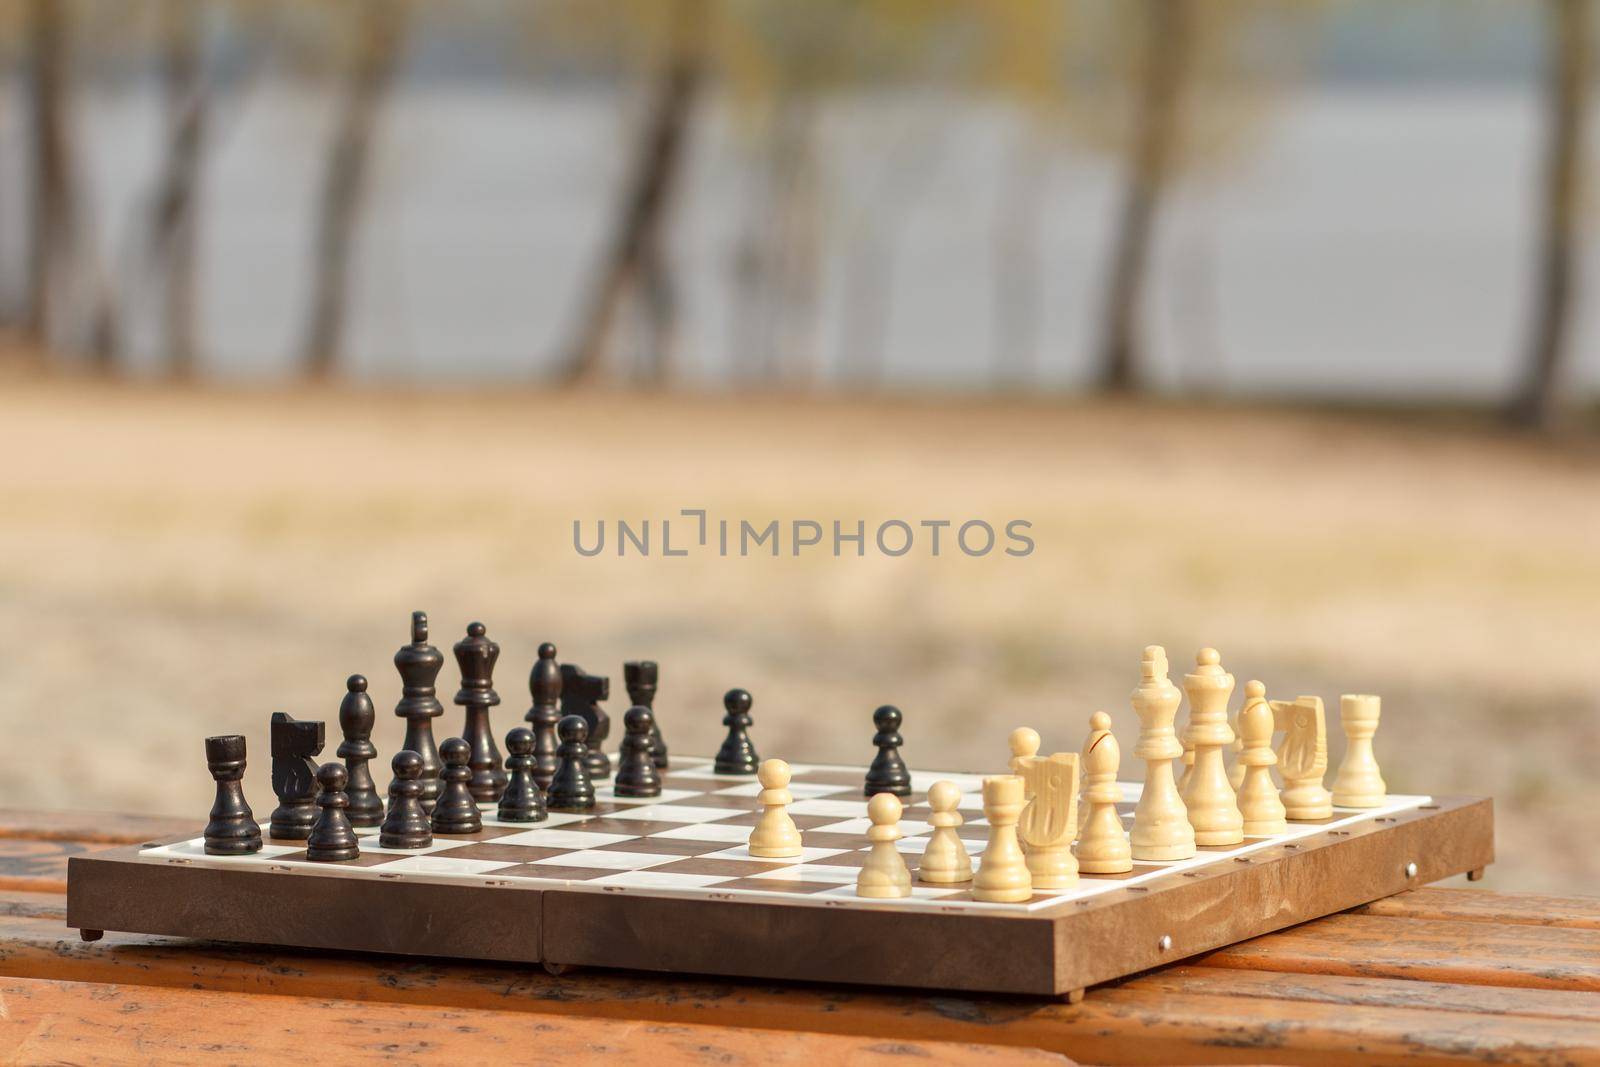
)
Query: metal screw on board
[
  {"x": 1165, "y": 944},
  {"x": 1411, "y": 870}
]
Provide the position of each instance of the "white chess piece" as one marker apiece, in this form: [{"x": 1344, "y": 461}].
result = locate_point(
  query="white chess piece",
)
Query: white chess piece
[
  {"x": 1259, "y": 803},
  {"x": 1103, "y": 846},
  {"x": 1236, "y": 769},
  {"x": 1024, "y": 742},
  {"x": 775, "y": 835},
  {"x": 945, "y": 860},
  {"x": 1099, "y": 724},
  {"x": 1002, "y": 871},
  {"x": 885, "y": 873},
  {"x": 1303, "y": 758},
  {"x": 1161, "y": 830},
  {"x": 1050, "y": 819},
  {"x": 1213, "y": 808},
  {"x": 1359, "y": 784}
]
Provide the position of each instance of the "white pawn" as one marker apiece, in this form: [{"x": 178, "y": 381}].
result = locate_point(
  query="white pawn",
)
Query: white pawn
[
  {"x": 1259, "y": 802},
  {"x": 1359, "y": 784},
  {"x": 1236, "y": 770},
  {"x": 1102, "y": 847},
  {"x": 945, "y": 860},
  {"x": 775, "y": 835},
  {"x": 1002, "y": 876},
  {"x": 885, "y": 873},
  {"x": 1024, "y": 744}
]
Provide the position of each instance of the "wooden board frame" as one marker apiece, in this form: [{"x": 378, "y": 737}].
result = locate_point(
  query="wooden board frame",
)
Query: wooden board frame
[{"x": 1058, "y": 950}]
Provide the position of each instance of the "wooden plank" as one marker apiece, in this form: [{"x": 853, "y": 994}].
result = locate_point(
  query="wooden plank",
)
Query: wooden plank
[
  {"x": 92, "y": 827},
  {"x": 33, "y": 905},
  {"x": 1477, "y": 905},
  {"x": 1368, "y": 992},
  {"x": 70, "y": 1022},
  {"x": 37, "y": 865},
  {"x": 1124, "y": 1024},
  {"x": 1476, "y": 953}
]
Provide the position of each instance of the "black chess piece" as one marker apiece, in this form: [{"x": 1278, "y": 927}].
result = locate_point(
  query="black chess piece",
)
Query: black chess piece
[
  {"x": 544, "y": 683},
  {"x": 476, "y": 655},
  {"x": 332, "y": 837},
  {"x": 737, "y": 755},
  {"x": 639, "y": 676},
  {"x": 356, "y": 716},
  {"x": 456, "y": 812},
  {"x": 636, "y": 765},
  {"x": 888, "y": 772},
  {"x": 523, "y": 800},
  {"x": 294, "y": 776},
  {"x": 406, "y": 825},
  {"x": 571, "y": 789},
  {"x": 581, "y": 694},
  {"x": 419, "y": 664},
  {"x": 232, "y": 830}
]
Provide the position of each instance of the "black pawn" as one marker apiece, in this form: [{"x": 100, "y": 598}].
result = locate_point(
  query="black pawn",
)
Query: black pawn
[
  {"x": 581, "y": 693},
  {"x": 419, "y": 664},
  {"x": 636, "y": 766},
  {"x": 737, "y": 755},
  {"x": 522, "y": 801},
  {"x": 332, "y": 838},
  {"x": 544, "y": 683},
  {"x": 406, "y": 825},
  {"x": 640, "y": 677},
  {"x": 456, "y": 812},
  {"x": 356, "y": 716},
  {"x": 888, "y": 772},
  {"x": 571, "y": 789},
  {"x": 476, "y": 655},
  {"x": 294, "y": 776},
  {"x": 232, "y": 830}
]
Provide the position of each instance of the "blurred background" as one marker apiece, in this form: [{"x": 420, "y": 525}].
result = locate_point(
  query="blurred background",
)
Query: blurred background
[{"x": 1274, "y": 320}]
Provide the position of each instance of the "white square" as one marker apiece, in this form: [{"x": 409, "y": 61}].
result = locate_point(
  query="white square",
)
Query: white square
[
  {"x": 615, "y": 861},
  {"x": 912, "y": 844},
  {"x": 711, "y": 775},
  {"x": 807, "y": 855},
  {"x": 442, "y": 865},
  {"x": 658, "y": 880},
  {"x": 551, "y": 819},
  {"x": 563, "y": 839},
  {"x": 810, "y": 872},
  {"x": 678, "y": 813},
  {"x": 196, "y": 849},
  {"x": 796, "y": 789},
  {"x": 844, "y": 809},
  {"x": 607, "y": 794},
  {"x": 439, "y": 844},
  {"x": 918, "y": 892},
  {"x": 709, "y": 831},
  {"x": 908, "y": 827}
]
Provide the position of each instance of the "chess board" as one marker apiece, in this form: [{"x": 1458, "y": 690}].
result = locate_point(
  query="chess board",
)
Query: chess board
[{"x": 667, "y": 883}]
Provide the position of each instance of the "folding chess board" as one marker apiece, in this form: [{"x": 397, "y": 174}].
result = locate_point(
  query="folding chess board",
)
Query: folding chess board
[{"x": 667, "y": 884}]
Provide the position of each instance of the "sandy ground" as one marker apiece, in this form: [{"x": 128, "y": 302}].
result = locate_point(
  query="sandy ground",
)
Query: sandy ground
[{"x": 179, "y": 564}]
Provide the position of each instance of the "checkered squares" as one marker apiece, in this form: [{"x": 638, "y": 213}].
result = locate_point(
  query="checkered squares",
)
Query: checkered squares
[{"x": 693, "y": 840}]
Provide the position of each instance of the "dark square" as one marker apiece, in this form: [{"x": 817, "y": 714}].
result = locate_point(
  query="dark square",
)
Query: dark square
[
  {"x": 488, "y": 850},
  {"x": 551, "y": 871},
  {"x": 803, "y": 822},
  {"x": 710, "y": 800},
  {"x": 774, "y": 885},
  {"x": 724, "y": 868},
  {"x": 665, "y": 846}
]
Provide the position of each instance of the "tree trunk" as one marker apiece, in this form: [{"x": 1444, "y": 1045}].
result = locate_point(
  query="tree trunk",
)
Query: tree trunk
[
  {"x": 634, "y": 261},
  {"x": 1166, "y": 32},
  {"x": 381, "y": 33},
  {"x": 174, "y": 225},
  {"x": 1568, "y": 28},
  {"x": 51, "y": 186}
]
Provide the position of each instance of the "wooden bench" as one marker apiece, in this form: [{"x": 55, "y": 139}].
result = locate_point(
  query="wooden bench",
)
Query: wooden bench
[{"x": 1430, "y": 976}]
